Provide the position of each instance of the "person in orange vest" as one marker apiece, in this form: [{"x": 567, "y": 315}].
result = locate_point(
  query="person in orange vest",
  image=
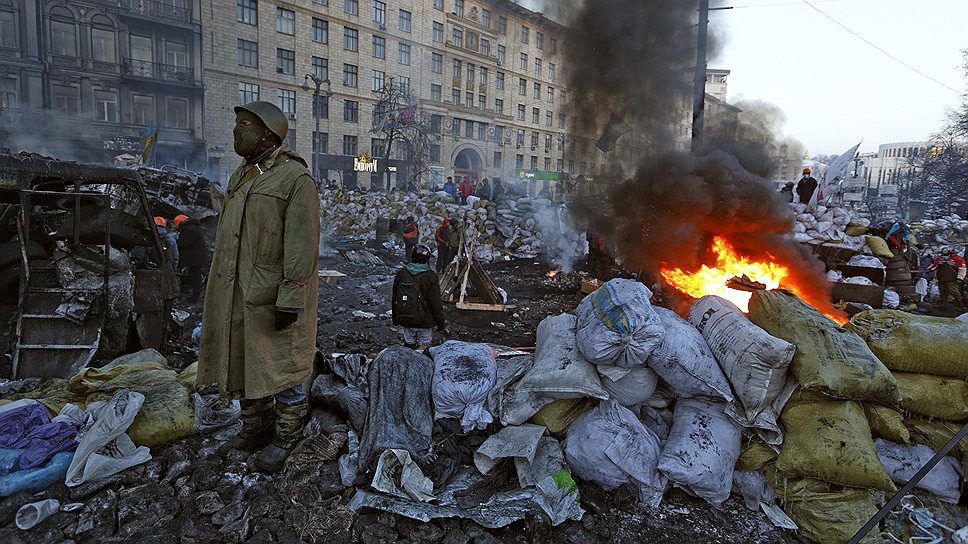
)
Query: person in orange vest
[{"x": 411, "y": 233}]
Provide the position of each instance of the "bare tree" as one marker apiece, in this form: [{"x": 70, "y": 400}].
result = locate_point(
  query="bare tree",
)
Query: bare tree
[
  {"x": 397, "y": 116},
  {"x": 939, "y": 177}
]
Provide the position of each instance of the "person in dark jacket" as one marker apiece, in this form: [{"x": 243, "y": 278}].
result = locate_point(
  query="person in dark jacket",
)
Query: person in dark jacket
[
  {"x": 806, "y": 187},
  {"x": 450, "y": 188},
  {"x": 416, "y": 300},
  {"x": 443, "y": 236},
  {"x": 411, "y": 233},
  {"x": 191, "y": 250}
]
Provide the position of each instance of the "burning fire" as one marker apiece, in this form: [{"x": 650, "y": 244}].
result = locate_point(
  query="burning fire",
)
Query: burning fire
[
  {"x": 552, "y": 273},
  {"x": 712, "y": 281},
  {"x": 729, "y": 264}
]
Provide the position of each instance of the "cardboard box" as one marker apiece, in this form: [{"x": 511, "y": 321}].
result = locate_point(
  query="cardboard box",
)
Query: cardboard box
[{"x": 588, "y": 285}]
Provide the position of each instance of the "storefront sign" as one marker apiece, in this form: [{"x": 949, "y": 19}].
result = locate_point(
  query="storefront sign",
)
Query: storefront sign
[
  {"x": 540, "y": 175},
  {"x": 364, "y": 163}
]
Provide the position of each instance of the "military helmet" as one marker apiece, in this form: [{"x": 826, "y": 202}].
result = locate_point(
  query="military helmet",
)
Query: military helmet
[
  {"x": 420, "y": 254},
  {"x": 270, "y": 114}
]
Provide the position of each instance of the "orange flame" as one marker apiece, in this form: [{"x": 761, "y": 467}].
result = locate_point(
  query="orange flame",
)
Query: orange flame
[
  {"x": 712, "y": 280},
  {"x": 552, "y": 273}
]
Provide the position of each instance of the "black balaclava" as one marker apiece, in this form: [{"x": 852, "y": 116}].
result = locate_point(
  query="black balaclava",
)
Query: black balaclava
[{"x": 252, "y": 141}]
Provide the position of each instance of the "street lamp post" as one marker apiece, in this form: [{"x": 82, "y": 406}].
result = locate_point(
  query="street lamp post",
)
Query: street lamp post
[{"x": 328, "y": 92}]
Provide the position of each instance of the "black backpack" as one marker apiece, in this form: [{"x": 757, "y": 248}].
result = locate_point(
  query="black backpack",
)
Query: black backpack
[{"x": 409, "y": 305}]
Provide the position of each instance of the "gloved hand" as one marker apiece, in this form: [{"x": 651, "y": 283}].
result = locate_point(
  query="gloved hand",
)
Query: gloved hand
[{"x": 285, "y": 319}]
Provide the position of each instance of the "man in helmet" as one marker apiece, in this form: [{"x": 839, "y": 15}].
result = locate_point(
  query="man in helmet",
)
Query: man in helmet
[
  {"x": 806, "y": 187},
  {"x": 258, "y": 338},
  {"x": 416, "y": 300},
  {"x": 951, "y": 269}
]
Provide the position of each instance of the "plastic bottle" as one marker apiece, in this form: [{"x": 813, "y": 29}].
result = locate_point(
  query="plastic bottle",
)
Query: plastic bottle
[
  {"x": 33, "y": 513},
  {"x": 197, "y": 333}
]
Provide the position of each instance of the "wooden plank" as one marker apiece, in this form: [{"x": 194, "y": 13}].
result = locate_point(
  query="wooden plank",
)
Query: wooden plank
[{"x": 462, "y": 305}]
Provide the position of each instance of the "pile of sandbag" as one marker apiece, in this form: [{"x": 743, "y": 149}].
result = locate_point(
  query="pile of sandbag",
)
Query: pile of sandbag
[
  {"x": 941, "y": 231},
  {"x": 519, "y": 226},
  {"x": 823, "y": 224}
]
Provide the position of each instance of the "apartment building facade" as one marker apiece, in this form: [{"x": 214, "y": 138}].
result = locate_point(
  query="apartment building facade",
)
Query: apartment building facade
[
  {"x": 876, "y": 180},
  {"x": 86, "y": 79},
  {"x": 489, "y": 76}
]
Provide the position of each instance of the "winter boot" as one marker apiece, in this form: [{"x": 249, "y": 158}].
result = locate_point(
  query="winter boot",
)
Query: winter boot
[
  {"x": 257, "y": 430},
  {"x": 289, "y": 427}
]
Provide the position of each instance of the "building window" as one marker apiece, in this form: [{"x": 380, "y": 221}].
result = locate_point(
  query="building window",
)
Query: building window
[
  {"x": 176, "y": 54},
  {"x": 501, "y": 54},
  {"x": 519, "y": 162},
  {"x": 485, "y": 47},
  {"x": 549, "y": 118},
  {"x": 436, "y": 63},
  {"x": 523, "y": 62},
  {"x": 320, "y": 30},
  {"x": 434, "y": 152},
  {"x": 536, "y": 93},
  {"x": 553, "y": 46},
  {"x": 285, "y": 61},
  {"x": 520, "y": 140},
  {"x": 560, "y": 165},
  {"x": 534, "y": 140},
  {"x": 537, "y": 67},
  {"x": 320, "y": 106},
  {"x": 350, "y": 72},
  {"x": 486, "y": 18},
  {"x": 436, "y": 93},
  {"x": 102, "y": 44},
  {"x": 285, "y": 21},
  {"x": 535, "y": 115},
  {"x": 521, "y": 112},
  {"x": 351, "y": 6},
  {"x": 483, "y": 78},
  {"x": 498, "y": 106},
  {"x": 551, "y": 71},
  {"x": 403, "y": 83},
  {"x": 457, "y": 69},
  {"x": 350, "y": 145},
  {"x": 404, "y": 54},
  {"x": 380, "y": 12},
  {"x": 497, "y": 160},
  {"x": 468, "y": 129},
  {"x": 458, "y": 37},
  {"x": 471, "y": 68},
  {"x": 142, "y": 110},
  {"x": 499, "y": 80},
  {"x": 351, "y": 111},
  {"x": 525, "y": 34},
  {"x": 522, "y": 86},
  {"x": 456, "y": 127},
  {"x": 561, "y": 96},
  {"x": 321, "y": 68},
  {"x": 502, "y": 25},
  {"x": 435, "y": 123},
  {"x": 438, "y": 33},
  {"x": 378, "y": 147},
  {"x": 351, "y": 39},
  {"x": 561, "y": 120},
  {"x": 539, "y": 40},
  {"x": 481, "y": 130},
  {"x": 8, "y": 29},
  {"x": 248, "y": 53},
  {"x": 63, "y": 38},
  {"x": 459, "y": 8},
  {"x": 469, "y": 99},
  {"x": 547, "y": 148},
  {"x": 248, "y": 93},
  {"x": 551, "y": 94},
  {"x": 247, "y": 11},
  {"x": 455, "y": 96},
  {"x": 405, "y": 18},
  {"x": 439, "y": 4},
  {"x": 320, "y": 143},
  {"x": 481, "y": 102},
  {"x": 379, "y": 47},
  {"x": 286, "y": 101},
  {"x": 176, "y": 112},
  {"x": 321, "y": 2},
  {"x": 106, "y": 106},
  {"x": 534, "y": 162},
  {"x": 379, "y": 80}
]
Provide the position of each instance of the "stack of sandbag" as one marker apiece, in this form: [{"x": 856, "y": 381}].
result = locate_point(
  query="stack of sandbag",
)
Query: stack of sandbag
[
  {"x": 754, "y": 363},
  {"x": 824, "y": 224},
  {"x": 941, "y": 231}
]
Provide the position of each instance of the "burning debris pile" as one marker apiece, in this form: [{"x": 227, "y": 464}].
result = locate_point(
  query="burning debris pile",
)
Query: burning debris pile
[{"x": 511, "y": 227}]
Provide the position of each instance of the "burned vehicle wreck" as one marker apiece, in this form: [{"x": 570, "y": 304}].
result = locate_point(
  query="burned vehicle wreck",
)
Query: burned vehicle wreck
[{"x": 84, "y": 274}]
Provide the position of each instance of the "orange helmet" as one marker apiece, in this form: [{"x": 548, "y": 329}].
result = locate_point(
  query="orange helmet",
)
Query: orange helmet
[
  {"x": 179, "y": 219},
  {"x": 806, "y": 170},
  {"x": 160, "y": 221}
]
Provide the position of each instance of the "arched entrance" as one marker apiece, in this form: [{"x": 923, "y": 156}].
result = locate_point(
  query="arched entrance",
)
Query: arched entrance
[{"x": 468, "y": 164}]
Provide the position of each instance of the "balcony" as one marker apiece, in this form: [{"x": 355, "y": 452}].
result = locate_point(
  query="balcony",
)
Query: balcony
[
  {"x": 158, "y": 10},
  {"x": 157, "y": 71}
]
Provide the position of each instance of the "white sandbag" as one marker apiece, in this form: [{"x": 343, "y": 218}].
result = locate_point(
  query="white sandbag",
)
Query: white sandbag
[
  {"x": 754, "y": 363},
  {"x": 867, "y": 261},
  {"x": 657, "y": 420},
  {"x": 617, "y": 324},
  {"x": 754, "y": 488},
  {"x": 921, "y": 288},
  {"x": 464, "y": 374},
  {"x": 902, "y": 462},
  {"x": 103, "y": 446},
  {"x": 560, "y": 370},
  {"x": 629, "y": 386},
  {"x": 963, "y": 317},
  {"x": 685, "y": 362},
  {"x": 802, "y": 237},
  {"x": 859, "y": 280},
  {"x": 834, "y": 275},
  {"x": 608, "y": 445},
  {"x": 799, "y": 228},
  {"x": 891, "y": 299},
  {"x": 702, "y": 449}
]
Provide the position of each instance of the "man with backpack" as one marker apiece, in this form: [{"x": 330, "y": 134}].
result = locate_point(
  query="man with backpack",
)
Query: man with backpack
[{"x": 416, "y": 300}]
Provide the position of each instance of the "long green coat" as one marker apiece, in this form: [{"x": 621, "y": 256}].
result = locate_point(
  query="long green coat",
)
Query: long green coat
[{"x": 266, "y": 257}]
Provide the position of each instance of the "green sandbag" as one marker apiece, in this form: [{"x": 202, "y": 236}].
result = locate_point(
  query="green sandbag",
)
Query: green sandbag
[
  {"x": 935, "y": 433},
  {"x": 826, "y": 513},
  {"x": 933, "y": 396},
  {"x": 886, "y": 423},
  {"x": 560, "y": 414},
  {"x": 828, "y": 359},
  {"x": 830, "y": 440},
  {"x": 915, "y": 343},
  {"x": 167, "y": 414},
  {"x": 755, "y": 456}
]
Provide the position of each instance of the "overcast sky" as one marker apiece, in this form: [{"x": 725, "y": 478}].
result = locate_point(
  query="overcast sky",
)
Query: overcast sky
[{"x": 834, "y": 88}]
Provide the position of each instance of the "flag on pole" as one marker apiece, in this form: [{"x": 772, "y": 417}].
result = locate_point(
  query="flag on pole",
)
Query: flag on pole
[
  {"x": 836, "y": 169},
  {"x": 613, "y": 130},
  {"x": 149, "y": 136}
]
